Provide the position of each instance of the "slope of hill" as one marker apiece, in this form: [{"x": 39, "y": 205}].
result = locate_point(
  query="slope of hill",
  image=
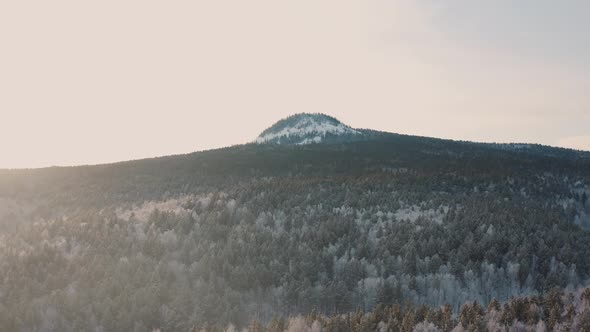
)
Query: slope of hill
[{"x": 263, "y": 230}]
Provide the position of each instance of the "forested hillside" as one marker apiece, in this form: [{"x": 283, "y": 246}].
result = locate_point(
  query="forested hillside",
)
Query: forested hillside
[
  {"x": 266, "y": 230},
  {"x": 556, "y": 311}
]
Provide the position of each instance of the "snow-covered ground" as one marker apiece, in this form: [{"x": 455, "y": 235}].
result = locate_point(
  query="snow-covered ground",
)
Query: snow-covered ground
[{"x": 309, "y": 129}]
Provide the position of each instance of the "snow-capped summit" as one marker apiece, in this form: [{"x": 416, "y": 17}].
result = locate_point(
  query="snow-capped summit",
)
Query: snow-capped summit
[{"x": 306, "y": 128}]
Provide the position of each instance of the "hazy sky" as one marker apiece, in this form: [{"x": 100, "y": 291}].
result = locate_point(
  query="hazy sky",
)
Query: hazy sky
[{"x": 100, "y": 81}]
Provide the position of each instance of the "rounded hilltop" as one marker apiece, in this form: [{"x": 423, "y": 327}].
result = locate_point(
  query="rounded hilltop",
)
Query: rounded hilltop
[{"x": 307, "y": 128}]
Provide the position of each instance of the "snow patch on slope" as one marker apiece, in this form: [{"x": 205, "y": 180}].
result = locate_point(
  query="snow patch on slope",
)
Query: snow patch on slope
[
  {"x": 143, "y": 211},
  {"x": 317, "y": 139},
  {"x": 412, "y": 213}
]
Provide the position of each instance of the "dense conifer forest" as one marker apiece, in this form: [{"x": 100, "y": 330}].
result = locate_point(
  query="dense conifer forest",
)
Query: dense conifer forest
[
  {"x": 390, "y": 233},
  {"x": 557, "y": 311}
]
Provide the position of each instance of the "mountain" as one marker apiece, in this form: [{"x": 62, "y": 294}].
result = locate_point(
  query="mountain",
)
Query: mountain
[
  {"x": 314, "y": 128},
  {"x": 305, "y": 128},
  {"x": 265, "y": 230}
]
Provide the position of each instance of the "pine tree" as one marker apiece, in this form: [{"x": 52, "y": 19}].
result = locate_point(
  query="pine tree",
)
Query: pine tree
[
  {"x": 586, "y": 297},
  {"x": 568, "y": 318},
  {"x": 447, "y": 322},
  {"x": 409, "y": 320},
  {"x": 584, "y": 320},
  {"x": 494, "y": 305},
  {"x": 553, "y": 307},
  {"x": 255, "y": 326},
  {"x": 276, "y": 325},
  {"x": 472, "y": 317}
]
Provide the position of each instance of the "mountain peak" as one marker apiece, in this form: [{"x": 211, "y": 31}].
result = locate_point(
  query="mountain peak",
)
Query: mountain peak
[{"x": 307, "y": 128}]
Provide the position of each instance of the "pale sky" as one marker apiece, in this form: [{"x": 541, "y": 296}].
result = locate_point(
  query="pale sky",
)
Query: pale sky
[{"x": 84, "y": 82}]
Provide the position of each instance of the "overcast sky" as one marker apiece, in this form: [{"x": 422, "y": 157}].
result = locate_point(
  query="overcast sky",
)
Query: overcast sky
[{"x": 100, "y": 81}]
